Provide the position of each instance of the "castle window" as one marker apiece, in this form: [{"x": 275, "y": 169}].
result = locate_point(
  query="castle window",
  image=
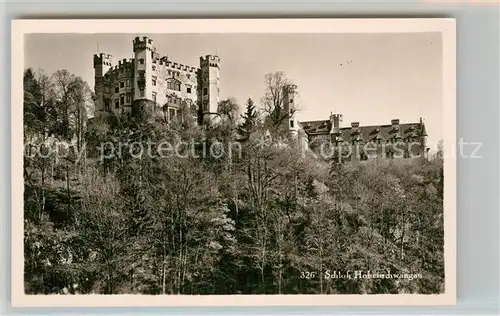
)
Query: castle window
[
  {"x": 407, "y": 153},
  {"x": 128, "y": 98},
  {"x": 174, "y": 85},
  {"x": 169, "y": 72},
  {"x": 117, "y": 89},
  {"x": 117, "y": 105},
  {"x": 291, "y": 123},
  {"x": 122, "y": 99},
  {"x": 141, "y": 61},
  {"x": 205, "y": 91},
  {"x": 122, "y": 84},
  {"x": 171, "y": 113},
  {"x": 154, "y": 97},
  {"x": 141, "y": 93},
  {"x": 154, "y": 82},
  {"x": 106, "y": 105},
  {"x": 188, "y": 89},
  {"x": 154, "y": 68},
  {"x": 128, "y": 82},
  {"x": 291, "y": 100}
]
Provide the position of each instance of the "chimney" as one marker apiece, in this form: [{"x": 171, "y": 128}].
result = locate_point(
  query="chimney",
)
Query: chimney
[
  {"x": 395, "y": 122},
  {"x": 355, "y": 124}
]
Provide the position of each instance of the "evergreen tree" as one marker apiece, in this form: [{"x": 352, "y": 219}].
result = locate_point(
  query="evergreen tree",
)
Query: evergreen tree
[{"x": 249, "y": 120}]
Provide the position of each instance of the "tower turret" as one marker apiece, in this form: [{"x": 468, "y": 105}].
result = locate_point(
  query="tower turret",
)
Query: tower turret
[
  {"x": 102, "y": 63},
  {"x": 208, "y": 83},
  {"x": 145, "y": 54},
  {"x": 423, "y": 140},
  {"x": 289, "y": 93}
]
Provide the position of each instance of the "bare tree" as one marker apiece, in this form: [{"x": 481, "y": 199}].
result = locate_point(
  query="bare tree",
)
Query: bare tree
[
  {"x": 274, "y": 97},
  {"x": 63, "y": 81},
  {"x": 229, "y": 110},
  {"x": 81, "y": 101}
]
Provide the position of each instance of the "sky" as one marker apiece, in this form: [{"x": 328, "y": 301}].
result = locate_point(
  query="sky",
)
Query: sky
[{"x": 369, "y": 78}]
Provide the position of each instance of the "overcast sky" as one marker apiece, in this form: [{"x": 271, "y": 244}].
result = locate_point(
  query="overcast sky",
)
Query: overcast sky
[{"x": 369, "y": 78}]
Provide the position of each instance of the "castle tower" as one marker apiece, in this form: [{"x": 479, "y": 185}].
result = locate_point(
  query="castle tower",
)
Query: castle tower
[
  {"x": 102, "y": 63},
  {"x": 289, "y": 92},
  {"x": 423, "y": 140},
  {"x": 208, "y": 84},
  {"x": 144, "y": 53}
]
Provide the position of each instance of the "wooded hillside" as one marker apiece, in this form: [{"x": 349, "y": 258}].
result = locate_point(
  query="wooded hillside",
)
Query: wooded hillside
[{"x": 248, "y": 223}]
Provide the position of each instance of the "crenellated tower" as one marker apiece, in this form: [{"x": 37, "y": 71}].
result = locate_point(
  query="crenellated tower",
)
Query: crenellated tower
[
  {"x": 208, "y": 85},
  {"x": 289, "y": 107},
  {"x": 102, "y": 63},
  {"x": 144, "y": 54}
]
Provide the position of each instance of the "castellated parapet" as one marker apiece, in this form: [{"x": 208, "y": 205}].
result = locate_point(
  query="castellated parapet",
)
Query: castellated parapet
[
  {"x": 149, "y": 75},
  {"x": 143, "y": 44},
  {"x": 103, "y": 59},
  {"x": 210, "y": 61}
]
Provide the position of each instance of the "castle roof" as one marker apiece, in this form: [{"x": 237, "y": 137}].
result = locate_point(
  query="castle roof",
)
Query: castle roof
[{"x": 365, "y": 133}]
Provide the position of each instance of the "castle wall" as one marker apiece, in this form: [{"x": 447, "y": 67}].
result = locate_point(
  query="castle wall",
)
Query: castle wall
[
  {"x": 118, "y": 87},
  {"x": 175, "y": 84},
  {"x": 364, "y": 142}
]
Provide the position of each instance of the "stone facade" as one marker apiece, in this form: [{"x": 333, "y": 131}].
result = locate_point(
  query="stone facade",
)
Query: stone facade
[
  {"x": 152, "y": 77},
  {"x": 356, "y": 142}
]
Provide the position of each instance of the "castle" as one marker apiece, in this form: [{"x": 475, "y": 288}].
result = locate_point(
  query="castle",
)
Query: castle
[
  {"x": 356, "y": 142},
  {"x": 172, "y": 86},
  {"x": 148, "y": 76}
]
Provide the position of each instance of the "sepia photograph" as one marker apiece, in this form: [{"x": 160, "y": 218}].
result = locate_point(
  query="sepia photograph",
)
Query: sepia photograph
[{"x": 230, "y": 163}]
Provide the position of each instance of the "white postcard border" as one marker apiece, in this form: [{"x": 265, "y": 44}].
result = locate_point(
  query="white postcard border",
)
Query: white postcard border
[{"x": 445, "y": 26}]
